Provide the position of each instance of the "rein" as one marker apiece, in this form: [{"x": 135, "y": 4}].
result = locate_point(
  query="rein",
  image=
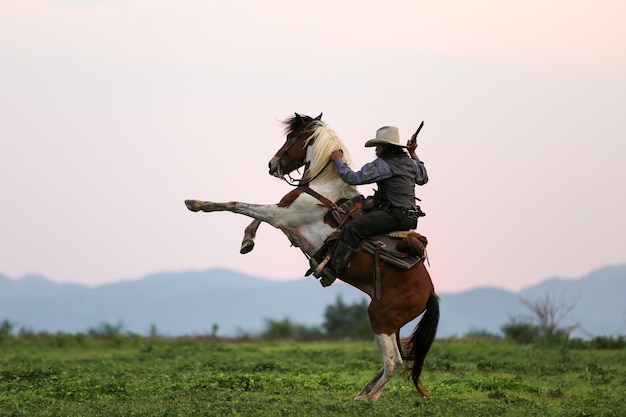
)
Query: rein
[
  {"x": 304, "y": 186},
  {"x": 292, "y": 181},
  {"x": 324, "y": 200}
]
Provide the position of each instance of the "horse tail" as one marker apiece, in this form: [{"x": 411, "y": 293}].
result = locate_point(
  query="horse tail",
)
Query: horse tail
[{"x": 422, "y": 338}]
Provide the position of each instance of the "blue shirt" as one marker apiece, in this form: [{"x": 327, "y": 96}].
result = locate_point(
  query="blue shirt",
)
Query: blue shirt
[
  {"x": 396, "y": 178},
  {"x": 375, "y": 171}
]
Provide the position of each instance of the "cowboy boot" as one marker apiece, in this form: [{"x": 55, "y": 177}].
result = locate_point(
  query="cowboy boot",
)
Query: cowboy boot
[
  {"x": 325, "y": 274},
  {"x": 341, "y": 259}
]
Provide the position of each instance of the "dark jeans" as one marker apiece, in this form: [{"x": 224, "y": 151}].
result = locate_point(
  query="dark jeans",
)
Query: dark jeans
[{"x": 375, "y": 223}]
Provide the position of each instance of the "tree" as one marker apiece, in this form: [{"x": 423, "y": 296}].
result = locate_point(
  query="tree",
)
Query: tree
[
  {"x": 154, "y": 331},
  {"x": 550, "y": 312},
  {"x": 342, "y": 320},
  {"x": 6, "y": 329}
]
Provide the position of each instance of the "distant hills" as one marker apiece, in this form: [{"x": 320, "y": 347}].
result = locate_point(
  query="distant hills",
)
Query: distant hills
[{"x": 192, "y": 302}]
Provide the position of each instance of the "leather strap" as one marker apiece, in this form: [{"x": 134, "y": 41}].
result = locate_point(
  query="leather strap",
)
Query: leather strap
[
  {"x": 376, "y": 272},
  {"x": 320, "y": 197}
]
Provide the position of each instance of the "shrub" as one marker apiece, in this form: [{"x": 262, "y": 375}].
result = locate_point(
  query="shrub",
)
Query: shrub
[
  {"x": 106, "y": 331},
  {"x": 481, "y": 334},
  {"x": 286, "y": 329},
  {"x": 608, "y": 342},
  {"x": 521, "y": 331}
]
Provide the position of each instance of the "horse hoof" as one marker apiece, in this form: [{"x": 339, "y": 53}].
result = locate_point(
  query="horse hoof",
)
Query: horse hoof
[
  {"x": 192, "y": 205},
  {"x": 246, "y": 247}
]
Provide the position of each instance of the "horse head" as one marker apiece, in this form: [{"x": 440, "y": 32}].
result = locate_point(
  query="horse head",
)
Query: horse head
[
  {"x": 292, "y": 155},
  {"x": 309, "y": 143}
]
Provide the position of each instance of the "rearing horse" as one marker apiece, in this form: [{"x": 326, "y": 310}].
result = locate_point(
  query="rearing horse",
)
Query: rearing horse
[{"x": 406, "y": 293}]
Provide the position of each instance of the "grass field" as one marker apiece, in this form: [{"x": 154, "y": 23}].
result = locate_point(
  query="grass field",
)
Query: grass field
[{"x": 73, "y": 375}]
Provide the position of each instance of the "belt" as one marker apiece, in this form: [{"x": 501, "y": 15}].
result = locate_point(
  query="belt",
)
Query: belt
[{"x": 411, "y": 213}]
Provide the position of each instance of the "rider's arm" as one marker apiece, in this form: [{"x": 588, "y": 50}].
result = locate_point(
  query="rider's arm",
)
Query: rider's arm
[
  {"x": 421, "y": 176},
  {"x": 374, "y": 171}
]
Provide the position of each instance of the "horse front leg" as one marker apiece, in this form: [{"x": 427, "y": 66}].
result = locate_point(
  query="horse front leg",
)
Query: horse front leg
[
  {"x": 247, "y": 244},
  {"x": 392, "y": 359},
  {"x": 209, "y": 206}
]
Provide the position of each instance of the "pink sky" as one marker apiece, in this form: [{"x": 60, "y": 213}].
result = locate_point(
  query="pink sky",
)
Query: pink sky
[{"x": 114, "y": 112}]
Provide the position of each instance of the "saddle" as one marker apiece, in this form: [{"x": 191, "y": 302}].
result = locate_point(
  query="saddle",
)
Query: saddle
[{"x": 402, "y": 249}]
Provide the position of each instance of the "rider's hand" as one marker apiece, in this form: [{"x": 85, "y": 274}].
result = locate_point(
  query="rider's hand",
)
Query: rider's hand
[
  {"x": 336, "y": 154},
  {"x": 411, "y": 146}
]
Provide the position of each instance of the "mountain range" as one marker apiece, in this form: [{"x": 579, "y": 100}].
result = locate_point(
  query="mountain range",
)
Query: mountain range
[{"x": 198, "y": 302}]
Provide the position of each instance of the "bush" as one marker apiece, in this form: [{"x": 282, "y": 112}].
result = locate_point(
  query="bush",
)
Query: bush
[
  {"x": 480, "y": 334},
  {"x": 286, "y": 329},
  {"x": 106, "y": 331},
  {"x": 521, "y": 331},
  {"x": 608, "y": 342}
]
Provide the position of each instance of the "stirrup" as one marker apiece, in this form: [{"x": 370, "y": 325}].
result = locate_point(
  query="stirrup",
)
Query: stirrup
[{"x": 325, "y": 276}]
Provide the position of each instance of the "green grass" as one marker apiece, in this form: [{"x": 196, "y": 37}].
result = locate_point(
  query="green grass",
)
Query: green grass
[{"x": 78, "y": 376}]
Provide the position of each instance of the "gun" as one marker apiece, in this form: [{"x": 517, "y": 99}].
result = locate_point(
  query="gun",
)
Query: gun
[{"x": 414, "y": 137}]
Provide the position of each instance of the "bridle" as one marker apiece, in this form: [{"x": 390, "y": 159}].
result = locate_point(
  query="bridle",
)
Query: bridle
[
  {"x": 295, "y": 182},
  {"x": 303, "y": 185}
]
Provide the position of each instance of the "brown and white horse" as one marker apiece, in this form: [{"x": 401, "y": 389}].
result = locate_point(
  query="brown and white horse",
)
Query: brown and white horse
[{"x": 405, "y": 293}]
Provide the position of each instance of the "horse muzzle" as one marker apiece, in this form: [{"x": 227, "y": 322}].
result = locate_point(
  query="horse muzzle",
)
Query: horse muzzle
[{"x": 275, "y": 168}]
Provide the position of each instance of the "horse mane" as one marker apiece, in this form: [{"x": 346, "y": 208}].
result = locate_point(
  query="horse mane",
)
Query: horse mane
[{"x": 323, "y": 141}]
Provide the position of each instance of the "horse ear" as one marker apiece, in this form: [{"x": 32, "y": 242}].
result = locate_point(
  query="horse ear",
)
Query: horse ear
[
  {"x": 319, "y": 117},
  {"x": 298, "y": 117}
]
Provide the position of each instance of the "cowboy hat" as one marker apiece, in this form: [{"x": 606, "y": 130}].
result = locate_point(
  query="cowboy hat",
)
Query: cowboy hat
[{"x": 387, "y": 135}]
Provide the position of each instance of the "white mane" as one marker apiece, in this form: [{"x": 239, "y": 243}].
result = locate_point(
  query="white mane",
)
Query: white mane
[{"x": 325, "y": 140}]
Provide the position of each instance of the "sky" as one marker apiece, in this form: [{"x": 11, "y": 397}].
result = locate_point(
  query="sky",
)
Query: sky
[{"x": 112, "y": 113}]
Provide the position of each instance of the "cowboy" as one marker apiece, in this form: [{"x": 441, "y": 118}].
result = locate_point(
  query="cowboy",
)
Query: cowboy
[{"x": 395, "y": 173}]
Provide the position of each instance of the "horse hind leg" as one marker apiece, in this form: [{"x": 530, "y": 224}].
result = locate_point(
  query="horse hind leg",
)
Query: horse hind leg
[
  {"x": 368, "y": 387},
  {"x": 392, "y": 360},
  {"x": 247, "y": 244}
]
